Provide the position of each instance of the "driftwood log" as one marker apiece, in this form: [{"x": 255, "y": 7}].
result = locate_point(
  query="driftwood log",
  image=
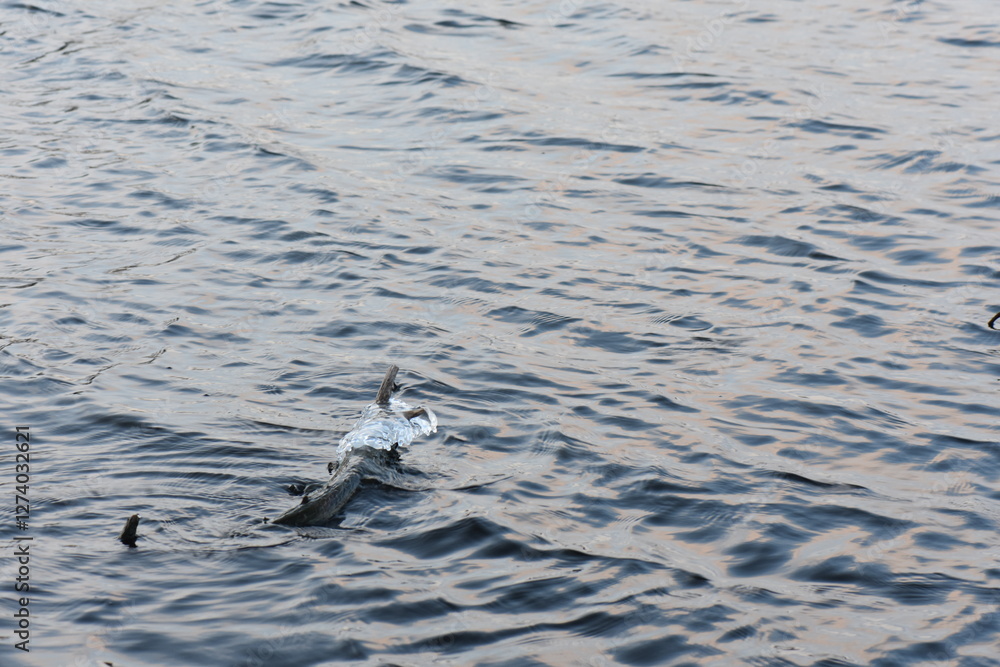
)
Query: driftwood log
[{"x": 358, "y": 465}]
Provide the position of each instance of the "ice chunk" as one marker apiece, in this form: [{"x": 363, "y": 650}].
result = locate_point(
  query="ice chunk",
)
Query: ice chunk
[{"x": 381, "y": 428}]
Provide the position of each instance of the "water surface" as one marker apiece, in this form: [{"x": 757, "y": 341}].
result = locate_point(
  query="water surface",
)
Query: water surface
[{"x": 698, "y": 293}]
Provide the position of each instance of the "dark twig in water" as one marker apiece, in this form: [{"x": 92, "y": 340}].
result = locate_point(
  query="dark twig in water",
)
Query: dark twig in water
[
  {"x": 388, "y": 386},
  {"x": 995, "y": 318},
  {"x": 128, "y": 535}
]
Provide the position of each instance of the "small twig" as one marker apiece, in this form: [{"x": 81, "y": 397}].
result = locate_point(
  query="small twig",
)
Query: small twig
[
  {"x": 995, "y": 318},
  {"x": 418, "y": 412},
  {"x": 388, "y": 385},
  {"x": 128, "y": 535}
]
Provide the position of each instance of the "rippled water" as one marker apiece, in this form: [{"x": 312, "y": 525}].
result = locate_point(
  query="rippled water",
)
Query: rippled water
[{"x": 698, "y": 292}]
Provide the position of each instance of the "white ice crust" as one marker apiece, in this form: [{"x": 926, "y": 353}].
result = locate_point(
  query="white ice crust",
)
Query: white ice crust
[{"x": 379, "y": 428}]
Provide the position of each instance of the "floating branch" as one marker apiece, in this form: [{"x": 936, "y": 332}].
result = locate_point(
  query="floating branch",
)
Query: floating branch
[{"x": 367, "y": 452}]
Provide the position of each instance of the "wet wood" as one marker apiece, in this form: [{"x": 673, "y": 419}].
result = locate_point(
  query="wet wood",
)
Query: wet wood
[{"x": 129, "y": 535}]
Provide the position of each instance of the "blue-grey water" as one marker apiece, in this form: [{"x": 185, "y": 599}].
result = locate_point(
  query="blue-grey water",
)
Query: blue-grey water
[{"x": 697, "y": 290}]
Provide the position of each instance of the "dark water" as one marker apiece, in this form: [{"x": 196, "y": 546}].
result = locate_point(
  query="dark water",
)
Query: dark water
[{"x": 697, "y": 290}]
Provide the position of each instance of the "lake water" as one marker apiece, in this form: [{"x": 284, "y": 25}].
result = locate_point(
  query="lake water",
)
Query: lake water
[{"x": 697, "y": 290}]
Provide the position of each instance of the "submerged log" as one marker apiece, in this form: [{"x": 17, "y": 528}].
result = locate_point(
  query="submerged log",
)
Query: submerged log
[{"x": 373, "y": 457}]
